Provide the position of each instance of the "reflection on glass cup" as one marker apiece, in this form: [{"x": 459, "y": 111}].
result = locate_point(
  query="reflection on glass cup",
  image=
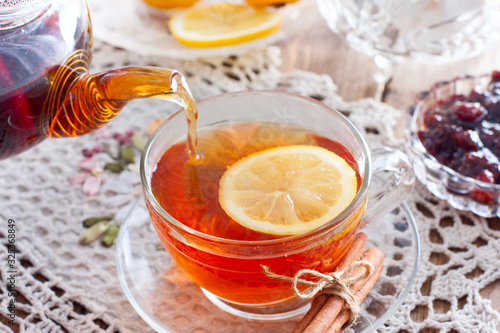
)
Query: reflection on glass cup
[{"x": 223, "y": 257}]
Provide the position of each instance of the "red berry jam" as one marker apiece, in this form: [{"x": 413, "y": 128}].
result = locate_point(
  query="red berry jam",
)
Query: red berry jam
[{"x": 463, "y": 132}]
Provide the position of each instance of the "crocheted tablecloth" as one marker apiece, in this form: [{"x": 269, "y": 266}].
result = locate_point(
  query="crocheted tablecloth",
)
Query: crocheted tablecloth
[{"x": 62, "y": 286}]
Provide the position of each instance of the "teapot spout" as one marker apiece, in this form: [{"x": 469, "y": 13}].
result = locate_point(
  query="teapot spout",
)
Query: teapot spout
[{"x": 92, "y": 100}]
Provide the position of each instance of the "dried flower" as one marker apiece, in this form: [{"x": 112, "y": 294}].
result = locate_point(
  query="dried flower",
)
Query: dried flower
[
  {"x": 87, "y": 152},
  {"x": 97, "y": 149},
  {"x": 123, "y": 190},
  {"x": 88, "y": 176},
  {"x": 102, "y": 133},
  {"x": 79, "y": 178},
  {"x": 123, "y": 138},
  {"x": 91, "y": 185},
  {"x": 87, "y": 164},
  {"x": 91, "y": 152}
]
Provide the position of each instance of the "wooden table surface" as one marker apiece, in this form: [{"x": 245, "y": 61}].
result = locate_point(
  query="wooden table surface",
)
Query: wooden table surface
[{"x": 319, "y": 50}]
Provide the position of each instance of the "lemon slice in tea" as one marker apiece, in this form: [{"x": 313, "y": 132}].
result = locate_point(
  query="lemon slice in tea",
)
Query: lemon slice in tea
[
  {"x": 287, "y": 190},
  {"x": 219, "y": 24}
]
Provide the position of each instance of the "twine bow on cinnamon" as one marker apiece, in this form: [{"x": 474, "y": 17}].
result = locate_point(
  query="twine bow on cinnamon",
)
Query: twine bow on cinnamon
[{"x": 335, "y": 283}]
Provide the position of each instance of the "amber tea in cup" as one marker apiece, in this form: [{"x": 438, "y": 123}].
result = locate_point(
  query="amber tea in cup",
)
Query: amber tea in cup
[{"x": 224, "y": 257}]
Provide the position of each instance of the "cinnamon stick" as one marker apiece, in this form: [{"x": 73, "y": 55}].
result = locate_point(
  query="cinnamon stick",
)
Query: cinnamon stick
[
  {"x": 334, "y": 305},
  {"x": 373, "y": 256},
  {"x": 360, "y": 296},
  {"x": 316, "y": 306},
  {"x": 355, "y": 250}
]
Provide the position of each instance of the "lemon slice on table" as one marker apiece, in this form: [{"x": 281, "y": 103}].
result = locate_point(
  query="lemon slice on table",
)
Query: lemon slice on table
[
  {"x": 168, "y": 4},
  {"x": 219, "y": 24},
  {"x": 287, "y": 190}
]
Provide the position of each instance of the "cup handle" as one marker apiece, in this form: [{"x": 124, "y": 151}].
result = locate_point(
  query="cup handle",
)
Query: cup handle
[{"x": 395, "y": 171}]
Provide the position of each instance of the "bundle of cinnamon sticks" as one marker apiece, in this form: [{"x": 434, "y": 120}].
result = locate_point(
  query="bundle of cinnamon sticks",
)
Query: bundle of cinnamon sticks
[{"x": 328, "y": 313}]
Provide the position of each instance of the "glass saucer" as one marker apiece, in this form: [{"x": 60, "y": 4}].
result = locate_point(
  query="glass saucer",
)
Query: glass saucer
[
  {"x": 169, "y": 302},
  {"x": 139, "y": 28}
]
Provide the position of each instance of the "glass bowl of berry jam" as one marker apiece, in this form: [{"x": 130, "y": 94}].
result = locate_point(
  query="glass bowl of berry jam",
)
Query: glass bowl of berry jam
[{"x": 453, "y": 140}]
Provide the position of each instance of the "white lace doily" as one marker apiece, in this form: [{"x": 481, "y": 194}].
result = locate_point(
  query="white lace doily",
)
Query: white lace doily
[{"x": 66, "y": 287}]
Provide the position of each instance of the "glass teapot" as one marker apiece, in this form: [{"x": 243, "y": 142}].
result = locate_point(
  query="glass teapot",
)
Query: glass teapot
[{"x": 45, "y": 87}]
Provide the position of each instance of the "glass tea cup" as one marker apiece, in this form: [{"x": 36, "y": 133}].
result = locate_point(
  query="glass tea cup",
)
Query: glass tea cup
[{"x": 229, "y": 269}]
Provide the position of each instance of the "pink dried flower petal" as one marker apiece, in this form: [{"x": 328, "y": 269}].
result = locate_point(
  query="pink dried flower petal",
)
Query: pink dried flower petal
[
  {"x": 124, "y": 140},
  {"x": 117, "y": 136},
  {"x": 91, "y": 185},
  {"x": 97, "y": 149},
  {"x": 102, "y": 133},
  {"x": 87, "y": 152},
  {"x": 79, "y": 178},
  {"x": 129, "y": 133},
  {"x": 88, "y": 164}
]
